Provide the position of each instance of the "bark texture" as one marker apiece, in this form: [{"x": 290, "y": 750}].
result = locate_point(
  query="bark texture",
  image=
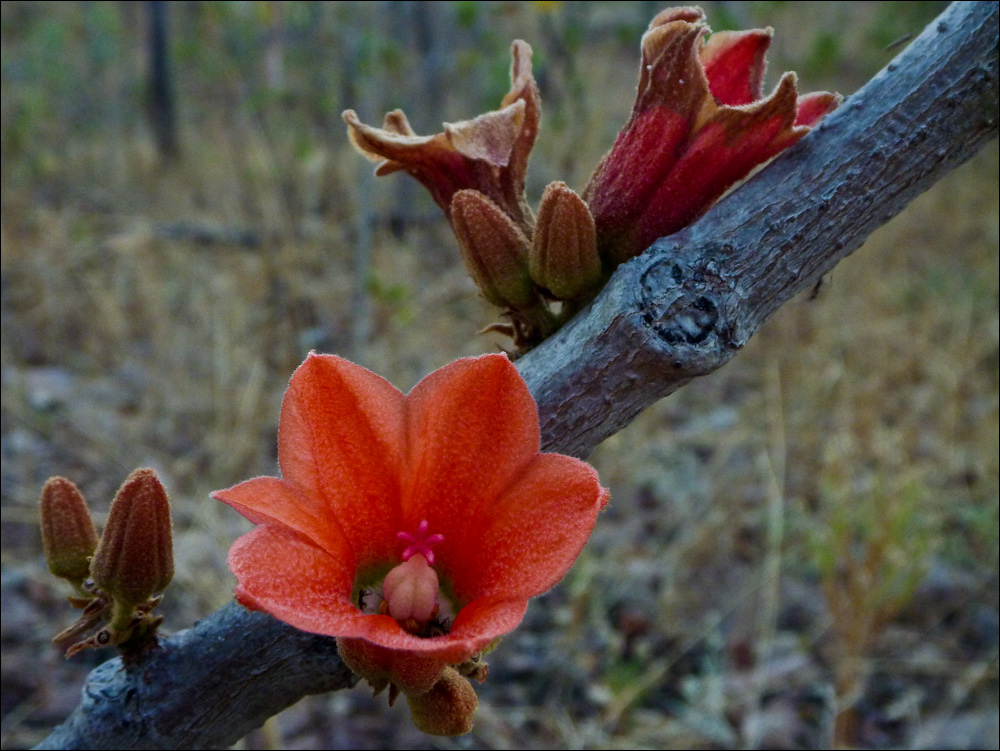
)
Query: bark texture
[{"x": 679, "y": 311}]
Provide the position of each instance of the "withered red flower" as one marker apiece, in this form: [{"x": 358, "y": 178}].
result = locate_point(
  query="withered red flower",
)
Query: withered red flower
[
  {"x": 700, "y": 124},
  {"x": 475, "y": 172},
  {"x": 488, "y": 154},
  {"x": 438, "y": 501}
]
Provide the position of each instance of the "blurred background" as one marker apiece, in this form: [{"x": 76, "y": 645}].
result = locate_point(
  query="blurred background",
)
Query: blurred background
[{"x": 801, "y": 548}]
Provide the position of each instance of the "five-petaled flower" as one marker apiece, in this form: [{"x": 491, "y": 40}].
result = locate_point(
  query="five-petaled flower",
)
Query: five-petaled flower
[
  {"x": 414, "y": 528},
  {"x": 700, "y": 123}
]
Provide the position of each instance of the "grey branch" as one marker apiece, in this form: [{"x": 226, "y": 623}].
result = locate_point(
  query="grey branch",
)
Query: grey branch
[
  {"x": 679, "y": 311},
  {"x": 206, "y": 688}
]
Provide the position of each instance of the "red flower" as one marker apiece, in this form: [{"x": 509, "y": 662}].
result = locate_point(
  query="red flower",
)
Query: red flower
[
  {"x": 699, "y": 124},
  {"x": 442, "y": 495}
]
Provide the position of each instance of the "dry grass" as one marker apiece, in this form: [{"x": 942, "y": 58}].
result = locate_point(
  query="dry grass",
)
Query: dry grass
[{"x": 806, "y": 540}]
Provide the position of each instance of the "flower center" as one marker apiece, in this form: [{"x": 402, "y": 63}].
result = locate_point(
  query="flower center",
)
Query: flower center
[{"x": 410, "y": 590}]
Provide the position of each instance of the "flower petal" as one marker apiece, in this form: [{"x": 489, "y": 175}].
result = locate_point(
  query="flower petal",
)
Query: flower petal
[
  {"x": 485, "y": 619},
  {"x": 734, "y": 64},
  {"x": 490, "y": 137},
  {"x": 434, "y": 160},
  {"x": 342, "y": 441},
  {"x": 619, "y": 190},
  {"x": 389, "y": 654},
  {"x": 282, "y": 573},
  {"x": 812, "y": 107},
  {"x": 671, "y": 74},
  {"x": 661, "y": 173},
  {"x": 673, "y": 99},
  {"x": 534, "y": 532},
  {"x": 472, "y": 427},
  {"x": 476, "y": 626},
  {"x": 522, "y": 89},
  {"x": 689, "y": 13},
  {"x": 724, "y": 150},
  {"x": 488, "y": 154},
  {"x": 270, "y": 500}
]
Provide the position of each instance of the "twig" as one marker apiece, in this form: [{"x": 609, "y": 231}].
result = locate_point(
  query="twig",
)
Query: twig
[{"x": 206, "y": 688}]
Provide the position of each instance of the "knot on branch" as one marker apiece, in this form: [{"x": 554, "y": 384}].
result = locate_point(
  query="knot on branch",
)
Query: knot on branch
[{"x": 680, "y": 303}]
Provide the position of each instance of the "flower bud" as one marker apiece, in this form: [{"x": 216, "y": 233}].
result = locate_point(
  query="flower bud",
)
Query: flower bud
[
  {"x": 494, "y": 249},
  {"x": 68, "y": 533},
  {"x": 564, "y": 258},
  {"x": 135, "y": 556},
  {"x": 448, "y": 708}
]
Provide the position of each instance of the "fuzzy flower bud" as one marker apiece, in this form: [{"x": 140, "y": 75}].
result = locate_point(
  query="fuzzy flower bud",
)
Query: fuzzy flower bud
[
  {"x": 448, "y": 708},
  {"x": 135, "y": 556},
  {"x": 68, "y": 533},
  {"x": 494, "y": 249},
  {"x": 564, "y": 258}
]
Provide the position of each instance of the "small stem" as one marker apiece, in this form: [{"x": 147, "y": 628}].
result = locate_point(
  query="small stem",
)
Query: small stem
[{"x": 122, "y": 615}]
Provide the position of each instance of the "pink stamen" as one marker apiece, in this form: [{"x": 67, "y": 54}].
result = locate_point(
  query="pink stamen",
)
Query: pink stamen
[{"x": 421, "y": 542}]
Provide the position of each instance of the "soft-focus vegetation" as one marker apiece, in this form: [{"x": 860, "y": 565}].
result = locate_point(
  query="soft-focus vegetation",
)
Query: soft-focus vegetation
[{"x": 805, "y": 542}]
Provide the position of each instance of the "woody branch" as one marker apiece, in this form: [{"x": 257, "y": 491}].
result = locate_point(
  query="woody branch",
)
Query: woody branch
[{"x": 679, "y": 311}]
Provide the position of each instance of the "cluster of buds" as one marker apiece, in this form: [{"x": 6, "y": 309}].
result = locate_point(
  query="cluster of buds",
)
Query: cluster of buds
[
  {"x": 700, "y": 124},
  {"x": 116, "y": 576}
]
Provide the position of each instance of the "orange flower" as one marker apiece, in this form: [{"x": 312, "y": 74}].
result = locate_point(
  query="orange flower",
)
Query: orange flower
[{"x": 437, "y": 503}]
